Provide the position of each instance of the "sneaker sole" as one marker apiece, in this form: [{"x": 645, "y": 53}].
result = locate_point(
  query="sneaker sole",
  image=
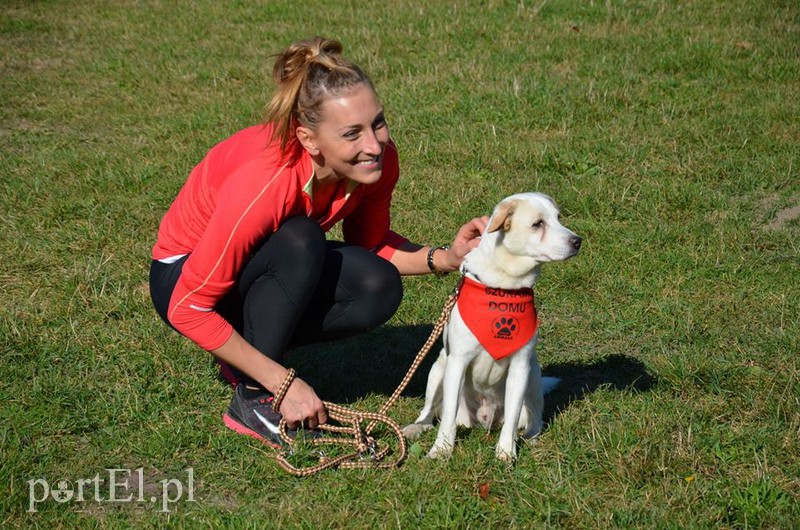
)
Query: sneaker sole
[{"x": 241, "y": 429}]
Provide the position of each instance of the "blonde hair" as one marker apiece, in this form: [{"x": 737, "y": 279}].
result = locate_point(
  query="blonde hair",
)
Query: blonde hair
[{"x": 306, "y": 73}]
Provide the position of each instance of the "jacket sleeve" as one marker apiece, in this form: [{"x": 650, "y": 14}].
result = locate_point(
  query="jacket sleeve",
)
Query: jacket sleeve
[{"x": 249, "y": 208}]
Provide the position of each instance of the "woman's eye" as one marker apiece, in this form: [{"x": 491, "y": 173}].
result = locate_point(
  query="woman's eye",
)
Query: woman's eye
[
  {"x": 351, "y": 135},
  {"x": 379, "y": 122}
]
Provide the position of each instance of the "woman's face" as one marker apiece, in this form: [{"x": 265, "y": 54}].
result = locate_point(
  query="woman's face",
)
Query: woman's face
[{"x": 350, "y": 140}]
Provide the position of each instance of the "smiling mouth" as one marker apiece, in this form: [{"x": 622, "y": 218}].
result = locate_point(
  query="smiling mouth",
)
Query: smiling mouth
[{"x": 368, "y": 162}]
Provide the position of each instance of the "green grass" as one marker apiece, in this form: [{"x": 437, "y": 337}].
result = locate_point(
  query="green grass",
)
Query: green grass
[{"x": 667, "y": 131}]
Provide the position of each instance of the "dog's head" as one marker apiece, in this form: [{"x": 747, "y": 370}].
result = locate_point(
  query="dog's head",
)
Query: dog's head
[{"x": 528, "y": 225}]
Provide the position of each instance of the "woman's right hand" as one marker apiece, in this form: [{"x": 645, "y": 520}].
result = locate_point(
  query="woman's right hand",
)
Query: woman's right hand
[{"x": 302, "y": 407}]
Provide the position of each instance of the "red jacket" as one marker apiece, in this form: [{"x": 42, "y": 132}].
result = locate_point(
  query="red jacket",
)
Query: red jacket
[{"x": 237, "y": 195}]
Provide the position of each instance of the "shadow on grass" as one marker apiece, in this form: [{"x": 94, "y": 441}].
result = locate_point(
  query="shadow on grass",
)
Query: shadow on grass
[
  {"x": 617, "y": 372},
  {"x": 376, "y": 363}
]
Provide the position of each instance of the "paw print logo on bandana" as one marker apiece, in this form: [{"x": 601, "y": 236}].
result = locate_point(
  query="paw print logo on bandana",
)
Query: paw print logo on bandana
[{"x": 505, "y": 327}]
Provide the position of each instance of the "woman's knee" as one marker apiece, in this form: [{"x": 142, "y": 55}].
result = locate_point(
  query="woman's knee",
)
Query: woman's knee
[
  {"x": 300, "y": 236},
  {"x": 381, "y": 292},
  {"x": 295, "y": 251}
]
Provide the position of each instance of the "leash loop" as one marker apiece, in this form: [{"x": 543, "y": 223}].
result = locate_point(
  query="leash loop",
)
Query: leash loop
[{"x": 369, "y": 452}]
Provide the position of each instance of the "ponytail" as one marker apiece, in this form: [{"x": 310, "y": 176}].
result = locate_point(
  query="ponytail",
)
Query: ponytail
[{"x": 305, "y": 74}]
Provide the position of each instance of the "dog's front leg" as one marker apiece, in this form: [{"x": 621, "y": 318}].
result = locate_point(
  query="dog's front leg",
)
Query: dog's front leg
[
  {"x": 451, "y": 391},
  {"x": 516, "y": 385},
  {"x": 534, "y": 399},
  {"x": 433, "y": 399}
]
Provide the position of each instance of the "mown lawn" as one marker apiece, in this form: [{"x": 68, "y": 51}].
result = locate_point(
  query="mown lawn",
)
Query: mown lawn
[{"x": 666, "y": 130}]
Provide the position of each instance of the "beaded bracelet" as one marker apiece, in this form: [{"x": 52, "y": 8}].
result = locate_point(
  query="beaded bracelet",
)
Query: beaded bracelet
[{"x": 430, "y": 259}]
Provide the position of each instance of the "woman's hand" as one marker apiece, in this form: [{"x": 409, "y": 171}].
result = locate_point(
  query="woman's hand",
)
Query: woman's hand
[
  {"x": 302, "y": 407},
  {"x": 467, "y": 238},
  {"x": 412, "y": 258}
]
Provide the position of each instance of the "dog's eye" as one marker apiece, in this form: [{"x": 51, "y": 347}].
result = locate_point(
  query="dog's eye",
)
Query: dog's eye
[{"x": 538, "y": 224}]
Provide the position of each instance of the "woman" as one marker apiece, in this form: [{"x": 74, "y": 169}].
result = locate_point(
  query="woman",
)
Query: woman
[{"x": 241, "y": 265}]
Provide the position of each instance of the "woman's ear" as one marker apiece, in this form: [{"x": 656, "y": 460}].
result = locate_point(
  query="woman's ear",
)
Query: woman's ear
[{"x": 307, "y": 139}]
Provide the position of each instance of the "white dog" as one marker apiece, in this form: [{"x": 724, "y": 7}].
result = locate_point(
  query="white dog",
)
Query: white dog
[{"x": 488, "y": 371}]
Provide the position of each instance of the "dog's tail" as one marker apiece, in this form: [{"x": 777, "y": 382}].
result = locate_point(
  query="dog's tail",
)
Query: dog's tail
[{"x": 549, "y": 383}]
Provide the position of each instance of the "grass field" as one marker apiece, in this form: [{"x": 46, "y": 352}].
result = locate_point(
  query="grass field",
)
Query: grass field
[{"x": 667, "y": 131}]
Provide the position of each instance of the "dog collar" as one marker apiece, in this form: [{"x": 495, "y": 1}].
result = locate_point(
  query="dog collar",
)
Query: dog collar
[{"x": 503, "y": 320}]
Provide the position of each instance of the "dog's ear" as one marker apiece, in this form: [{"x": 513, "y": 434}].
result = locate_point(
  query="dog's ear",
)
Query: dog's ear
[{"x": 502, "y": 216}]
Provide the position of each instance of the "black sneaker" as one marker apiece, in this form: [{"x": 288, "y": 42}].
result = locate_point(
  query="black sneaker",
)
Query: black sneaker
[{"x": 253, "y": 416}]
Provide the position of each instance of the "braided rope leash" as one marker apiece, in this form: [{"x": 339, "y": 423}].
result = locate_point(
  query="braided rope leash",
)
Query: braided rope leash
[{"x": 369, "y": 452}]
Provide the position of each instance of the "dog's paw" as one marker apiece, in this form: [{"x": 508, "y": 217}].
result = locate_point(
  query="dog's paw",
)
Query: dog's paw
[
  {"x": 533, "y": 432},
  {"x": 439, "y": 451},
  {"x": 413, "y": 430},
  {"x": 506, "y": 454},
  {"x": 531, "y": 440}
]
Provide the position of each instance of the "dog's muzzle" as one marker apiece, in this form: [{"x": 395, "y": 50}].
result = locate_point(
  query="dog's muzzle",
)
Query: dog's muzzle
[{"x": 574, "y": 243}]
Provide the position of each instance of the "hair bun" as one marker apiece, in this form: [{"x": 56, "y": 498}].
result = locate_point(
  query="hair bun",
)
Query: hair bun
[
  {"x": 306, "y": 73},
  {"x": 297, "y": 57}
]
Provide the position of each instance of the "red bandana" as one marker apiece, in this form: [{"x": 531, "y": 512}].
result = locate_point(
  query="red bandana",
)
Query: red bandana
[{"x": 502, "y": 320}]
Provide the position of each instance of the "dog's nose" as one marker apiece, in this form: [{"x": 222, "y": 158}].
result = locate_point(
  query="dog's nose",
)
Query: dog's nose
[{"x": 575, "y": 242}]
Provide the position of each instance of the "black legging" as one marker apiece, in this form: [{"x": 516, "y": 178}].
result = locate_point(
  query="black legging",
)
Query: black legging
[{"x": 298, "y": 289}]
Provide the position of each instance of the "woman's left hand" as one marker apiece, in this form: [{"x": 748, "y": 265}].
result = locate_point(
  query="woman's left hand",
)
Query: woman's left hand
[{"x": 467, "y": 238}]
